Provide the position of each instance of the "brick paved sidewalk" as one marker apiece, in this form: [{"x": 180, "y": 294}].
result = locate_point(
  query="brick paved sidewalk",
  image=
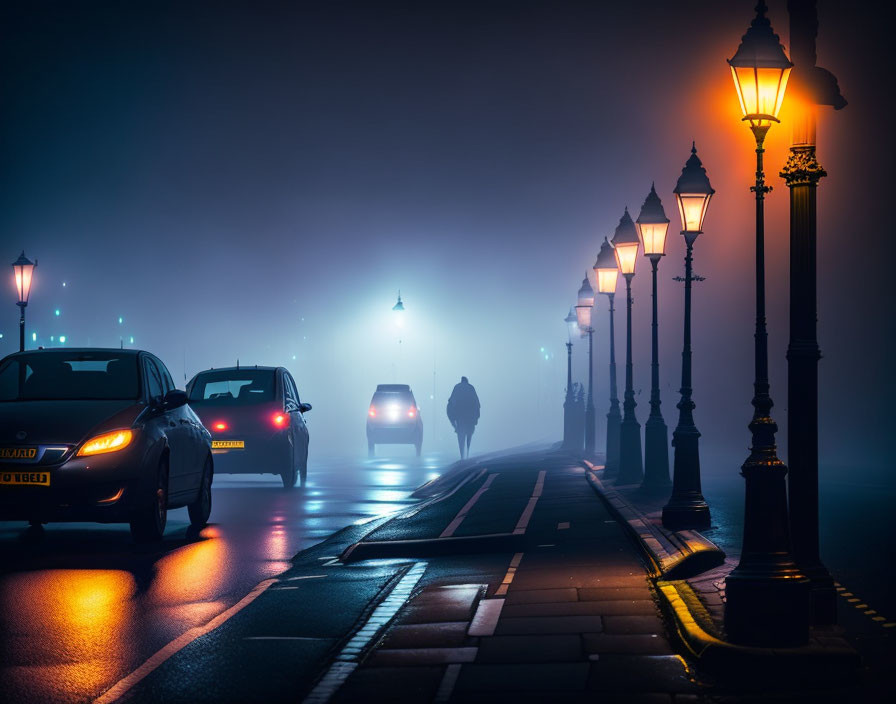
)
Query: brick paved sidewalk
[{"x": 571, "y": 618}]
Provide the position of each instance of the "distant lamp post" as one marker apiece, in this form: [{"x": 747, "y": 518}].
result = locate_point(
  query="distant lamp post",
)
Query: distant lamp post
[
  {"x": 625, "y": 246},
  {"x": 398, "y": 310},
  {"x": 569, "y": 401},
  {"x": 583, "y": 317},
  {"x": 653, "y": 225},
  {"x": 686, "y": 507},
  {"x": 24, "y": 272},
  {"x": 606, "y": 272},
  {"x": 767, "y": 597}
]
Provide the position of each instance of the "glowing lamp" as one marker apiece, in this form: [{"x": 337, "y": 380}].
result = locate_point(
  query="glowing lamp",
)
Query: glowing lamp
[
  {"x": 625, "y": 245},
  {"x": 572, "y": 324},
  {"x": 24, "y": 270},
  {"x": 583, "y": 318},
  {"x": 106, "y": 442},
  {"x": 586, "y": 293},
  {"x": 693, "y": 193},
  {"x": 606, "y": 270},
  {"x": 760, "y": 70},
  {"x": 652, "y": 225}
]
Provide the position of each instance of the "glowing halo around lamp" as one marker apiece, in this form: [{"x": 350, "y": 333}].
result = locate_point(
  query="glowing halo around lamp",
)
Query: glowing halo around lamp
[
  {"x": 625, "y": 245},
  {"x": 606, "y": 270}
]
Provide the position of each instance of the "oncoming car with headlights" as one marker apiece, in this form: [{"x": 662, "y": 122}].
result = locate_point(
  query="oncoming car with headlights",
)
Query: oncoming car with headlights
[{"x": 99, "y": 435}]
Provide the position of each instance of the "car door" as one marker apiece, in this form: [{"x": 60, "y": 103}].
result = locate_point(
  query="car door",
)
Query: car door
[
  {"x": 297, "y": 419},
  {"x": 196, "y": 446},
  {"x": 167, "y": 421}
]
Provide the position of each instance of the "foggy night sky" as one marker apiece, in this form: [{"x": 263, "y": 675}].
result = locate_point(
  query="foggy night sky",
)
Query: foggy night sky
[{"x": 257, "y": 180}]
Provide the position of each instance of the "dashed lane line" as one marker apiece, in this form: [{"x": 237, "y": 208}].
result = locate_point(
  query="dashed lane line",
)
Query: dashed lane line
[
  {"x": 462, "y": 514},
  {"x": 857, "y": 603},
  {"x": 508, "y": 577},
  {"x": 530, "y": 507}
]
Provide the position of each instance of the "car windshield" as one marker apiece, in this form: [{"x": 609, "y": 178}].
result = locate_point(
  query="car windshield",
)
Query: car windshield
[
  {"x": 387, "y": 398},
  {"x": 63, "y": 375},
  {"x": 233, "y": 387}
]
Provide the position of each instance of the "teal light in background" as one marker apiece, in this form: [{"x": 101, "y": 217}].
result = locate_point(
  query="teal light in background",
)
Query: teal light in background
[
  {"x": 58, "y": 312},
  {"x": 120, "y": 320},
  {"x": 62, "y": 339},
  {"x": 132, "y": 339},
  {"x": 34, "y": 337}
]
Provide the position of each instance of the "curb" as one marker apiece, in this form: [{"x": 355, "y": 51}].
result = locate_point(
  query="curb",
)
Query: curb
[{"x": 433, "y": 547}]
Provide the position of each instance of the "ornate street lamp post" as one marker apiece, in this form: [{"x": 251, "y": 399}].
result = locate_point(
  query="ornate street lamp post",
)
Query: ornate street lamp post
[
  {"x": 767, "y": 598},
  {"x": 653, "y": 225},
  {"x": 606, "y": 272},
  {"x": 625, "y": 246},
  {"x": 569, "y": 401},
  {"x": 687, "y": 508},
  {"x": 583, "y": 316},
  {"x": 24, "y": 271}
]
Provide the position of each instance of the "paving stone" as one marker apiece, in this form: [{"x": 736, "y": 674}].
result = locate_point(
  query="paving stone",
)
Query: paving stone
[
  {"x": 606, "y": 575},
  {"x": 419, "y": 656},
  {"x": 615, "y": 593},
  {"x": 582, "y": 608},
  {"x": 644, "y": 673},
  {"x": 390, "y": 684},
  {"x": 423, "y": 635},
  {"x": 633, "y": 624},
  {"x": 539, "y": 648},
  {"x": 531, "y": 677},
  {"x": 644, "y": 644},
  {"x": 439, "y": 605},
  {"x": 539, "y": 596},
  {"x": 550, "y": 624}
]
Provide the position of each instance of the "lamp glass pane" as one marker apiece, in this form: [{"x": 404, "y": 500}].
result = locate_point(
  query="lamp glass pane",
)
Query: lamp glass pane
[
  {"x": 23, "y": 281},
  {"x": 692, "y": 208},
  {"x": 626, "y": 254},
  {"x": 760, "y": 90},
  {"x": 606, "y": 280},
  {"x": 653, "y": 237},
  {"x": 573, "y": 329},
  {"x": 583, "y": 316}
]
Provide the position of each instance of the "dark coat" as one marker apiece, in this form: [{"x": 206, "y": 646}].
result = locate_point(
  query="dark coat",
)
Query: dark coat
[{"x": 463, "y": 405}]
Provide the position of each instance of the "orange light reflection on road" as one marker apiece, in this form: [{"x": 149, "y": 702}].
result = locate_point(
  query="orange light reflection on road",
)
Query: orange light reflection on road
[{"x": 82, "y": 620}]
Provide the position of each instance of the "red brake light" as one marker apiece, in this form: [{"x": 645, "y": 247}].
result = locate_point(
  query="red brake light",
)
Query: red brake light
[
  {"x": 372, "y": 412},
  {"x": 281, "y": 420},
  {"x": 412, "y": 412},
  {"x": 220, "y": 425}
]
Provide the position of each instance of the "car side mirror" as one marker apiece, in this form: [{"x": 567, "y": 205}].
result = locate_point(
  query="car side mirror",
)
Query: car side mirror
[
  {"x": 174, "y": 399},
  {"x": 304, "y": 407}
]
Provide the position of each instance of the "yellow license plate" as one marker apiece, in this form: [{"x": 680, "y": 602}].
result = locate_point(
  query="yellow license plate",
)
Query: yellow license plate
[
  {"x": 18, "y": 453},
  {"x": 25, "y": 478},
  {"x": 228, "y": 444}
]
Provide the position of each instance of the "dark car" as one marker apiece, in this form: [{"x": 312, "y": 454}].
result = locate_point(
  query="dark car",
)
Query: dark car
[
  {"x": 394, "y": 418},
  {"x": 99, "y": 435},
  {"x": 255, "y": 418}
]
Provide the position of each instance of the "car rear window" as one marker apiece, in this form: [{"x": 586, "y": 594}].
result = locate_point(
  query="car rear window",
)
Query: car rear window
[
  {"x": 385, "y": 397},
  {"x": 237, "y": 387},
  {"x": 70, "y": 376}
]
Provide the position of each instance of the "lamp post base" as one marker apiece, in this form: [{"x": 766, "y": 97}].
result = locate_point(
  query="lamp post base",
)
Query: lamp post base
[
  {"x": 686, "y": 512},
  {"x": 765, "y": 611},
  {"x": 631, "y": 470},
  {"x": 822, "y": 595},
  {"x": 686, "y": 507},
  {"x": 656, "y": 456},
  {"x": 611, "y": 461}
]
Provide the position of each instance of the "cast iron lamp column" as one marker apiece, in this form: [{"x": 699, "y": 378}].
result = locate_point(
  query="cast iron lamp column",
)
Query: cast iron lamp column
[
  {"x": 767, "y": 598},
  {"x": 625, "y": 246},
  {"x": 686, "y": 507},
  {"x": 24, "y": 271},
  {"x": 606, "y": 273},
  {"x": 653, "y": 225},
  {"x": 569, "y": 401},
  {"x": 583, "y": 316}
]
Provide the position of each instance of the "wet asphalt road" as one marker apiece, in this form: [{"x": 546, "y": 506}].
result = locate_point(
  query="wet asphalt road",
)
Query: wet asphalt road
[{"x": 84, "y": 606}]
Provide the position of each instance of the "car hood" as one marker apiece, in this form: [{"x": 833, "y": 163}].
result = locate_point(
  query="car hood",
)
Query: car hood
[{"x": 63, "y": 422}]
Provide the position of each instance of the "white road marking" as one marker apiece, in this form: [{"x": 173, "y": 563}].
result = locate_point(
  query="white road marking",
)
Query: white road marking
[
  {"x": 462, "y": 514},
  {"x": 508, "y": 577},
  {"x": 307, "y": 576},
  {"x": 530, "y": 507},
  {"x": 449, "y": 679},
  {"x": 485, "y": 620},
  {"x": 122, "y": 686},
  {"x": 284, "y": 638},
  {"x": 347, "y": 659}
]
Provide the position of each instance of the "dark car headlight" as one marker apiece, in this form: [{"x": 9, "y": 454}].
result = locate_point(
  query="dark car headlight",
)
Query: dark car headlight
[{"x": 112, "y": 441}]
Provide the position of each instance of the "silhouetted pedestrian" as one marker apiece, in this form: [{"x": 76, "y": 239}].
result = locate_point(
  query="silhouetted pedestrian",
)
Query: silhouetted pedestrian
[{"x": 463, "y": 412}]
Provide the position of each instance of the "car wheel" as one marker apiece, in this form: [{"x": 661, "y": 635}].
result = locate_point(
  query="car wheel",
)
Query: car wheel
[
  {"x": 201, "y": 509},
  {"x": 289, "y": 475},
  {"x": 148, "y": 523},
  {"x": 371, "y": 448}
]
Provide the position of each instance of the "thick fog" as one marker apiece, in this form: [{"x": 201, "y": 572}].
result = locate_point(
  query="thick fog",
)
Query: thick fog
[{"x": 258, "y": 186}]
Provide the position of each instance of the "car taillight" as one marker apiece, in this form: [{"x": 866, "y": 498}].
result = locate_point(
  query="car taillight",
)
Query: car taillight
[
  {"x": 412, "y": 412},
  {"x": 372, "y": 412},
  {"x": 281, "y": 420},
  {"x": 220, "y": 425}
]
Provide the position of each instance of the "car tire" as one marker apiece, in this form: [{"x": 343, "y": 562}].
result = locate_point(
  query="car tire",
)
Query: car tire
[
  {"x": 148, "y": 522},
  {"x": 201, "y": 508},
  {"x": 371, "y": 448},
  {"x": 289, "y": 475}
]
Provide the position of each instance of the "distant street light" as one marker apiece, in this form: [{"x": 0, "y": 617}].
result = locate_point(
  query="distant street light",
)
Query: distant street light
[
  {"x": 24, "y": 272},
  {"x": 606, "y": 272},
  {"x": 583, "y": 316},
  {"x": 625, "y": 246},
  {"x": 686, "y": 507},
  {"x": 569, "y": 401},
  {"x": 767, "y": 597},
  {"x": 653, "y": 225}
]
